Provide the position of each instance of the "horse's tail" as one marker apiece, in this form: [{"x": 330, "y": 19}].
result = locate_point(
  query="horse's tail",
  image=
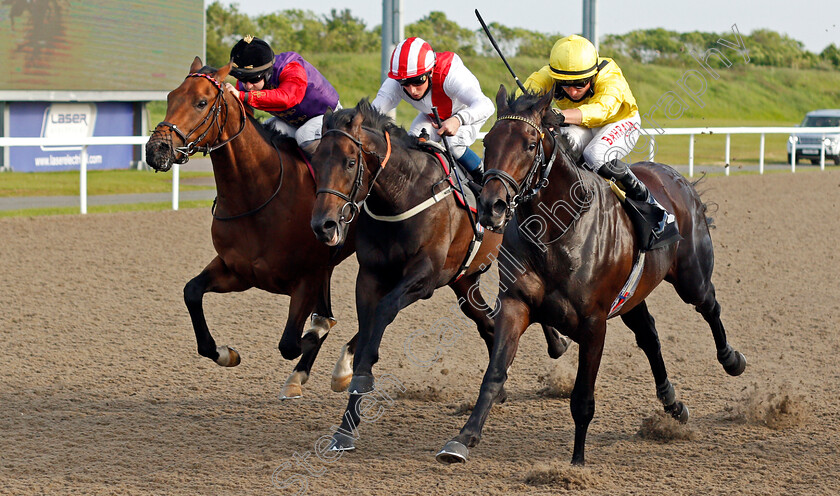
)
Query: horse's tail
[{"x": 710, "y": 221}]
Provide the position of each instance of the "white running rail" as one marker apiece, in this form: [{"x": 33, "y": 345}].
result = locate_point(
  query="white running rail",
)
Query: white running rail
[{"x": 689, "y": 131}]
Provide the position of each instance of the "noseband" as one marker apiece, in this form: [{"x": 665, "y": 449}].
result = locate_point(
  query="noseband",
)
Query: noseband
[
  {"x": 350, "y": 199},
  {"x": 537, "y": 177},
  {"x": 212, "y": 116}
]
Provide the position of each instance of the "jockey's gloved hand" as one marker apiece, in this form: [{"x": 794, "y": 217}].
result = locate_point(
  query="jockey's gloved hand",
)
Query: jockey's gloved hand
[{"x": 559, "y": 115}]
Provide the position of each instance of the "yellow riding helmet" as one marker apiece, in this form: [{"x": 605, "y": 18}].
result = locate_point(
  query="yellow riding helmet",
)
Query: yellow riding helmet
[{"x": 573, "y": 58}]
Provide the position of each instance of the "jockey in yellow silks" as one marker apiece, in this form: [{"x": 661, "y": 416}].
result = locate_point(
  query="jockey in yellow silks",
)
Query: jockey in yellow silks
[{"x": 594, "y": 99}]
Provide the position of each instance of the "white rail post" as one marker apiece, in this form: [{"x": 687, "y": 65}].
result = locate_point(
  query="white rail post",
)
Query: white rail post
[
  {"x": 822, "y": 153},
  {"x": 176, "y": 169},
  {"x": 83, "y": 180},
  {"x": 761, "y": 155},
  {"x": 651, "y": 149},
  {"x": 728, "y": 142},
  {"x": 691, "y": 155},
  {"x": 793, "y": 139}
]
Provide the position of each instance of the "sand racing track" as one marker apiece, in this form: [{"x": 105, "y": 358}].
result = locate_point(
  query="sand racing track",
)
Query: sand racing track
[{"x": 102, "y": 391}]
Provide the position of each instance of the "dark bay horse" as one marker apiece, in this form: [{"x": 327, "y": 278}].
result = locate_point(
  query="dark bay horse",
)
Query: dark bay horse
[
  {"x": 260, "y": 218},
  {"x": 364, "y": 158},
  {"x": 577, "y": 246}
]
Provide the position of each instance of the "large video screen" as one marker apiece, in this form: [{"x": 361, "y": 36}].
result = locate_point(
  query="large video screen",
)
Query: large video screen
[{"x": 98, "y": 45}]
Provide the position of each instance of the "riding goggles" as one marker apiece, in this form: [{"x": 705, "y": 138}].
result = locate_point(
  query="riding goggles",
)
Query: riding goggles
[
  {"x": 579, "y": 84},
  {"x": 253, "y": 79},
  {"x": 248, "y": 76},
  {"x": 414, "y": 81}
]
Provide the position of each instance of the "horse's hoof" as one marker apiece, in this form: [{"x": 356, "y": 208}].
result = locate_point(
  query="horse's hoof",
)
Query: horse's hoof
[
  {"x": 679, "y": 412},
  {"x": 558, "y": 346},
  {"x": 228, "y": 357},
  {"x": 291, "y": 392},
  {"x": 339, "y": 384},
  {"x": 733, "y": 361},
  {"x": 452, "y": 452},
  {"x": 320, "y": 325},
  {"x": 736, "y": 365},
  {"x": 361, "y": 384},
  {"x": 342, "y": 442}
]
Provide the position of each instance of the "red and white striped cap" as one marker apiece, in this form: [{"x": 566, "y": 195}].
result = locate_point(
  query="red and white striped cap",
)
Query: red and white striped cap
[{"x": 411, "y": 57}]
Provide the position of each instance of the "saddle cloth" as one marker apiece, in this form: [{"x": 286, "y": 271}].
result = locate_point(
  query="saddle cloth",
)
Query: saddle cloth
[{"x": 458, "y": 178}]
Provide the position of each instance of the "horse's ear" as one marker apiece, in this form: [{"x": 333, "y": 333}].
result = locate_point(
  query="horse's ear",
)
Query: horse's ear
[
  {"x": 544, "y": 103},
  {"x": 326, "y": 120},
  {"x": 196, "y": 65},
  {"x": 356, "y": 123},
  {"x": 501, "y": 100},
  {"x": 222, "y": 73}
]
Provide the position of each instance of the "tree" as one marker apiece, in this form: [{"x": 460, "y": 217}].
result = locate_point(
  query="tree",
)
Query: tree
[
  {"x": 831, "y": 55},
  {"x": 346, "y": 33},
  {"x": 225, "y": 26},
  {"x": 444, "y": 35}
]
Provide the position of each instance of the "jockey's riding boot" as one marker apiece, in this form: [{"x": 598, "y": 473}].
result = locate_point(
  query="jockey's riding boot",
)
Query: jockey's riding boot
[
  {"x": 478, "y": 173},
  {"x": 473, "y": 164},
  {"x": 620, "y": 172},
  {"x": 309, "y": 147}
]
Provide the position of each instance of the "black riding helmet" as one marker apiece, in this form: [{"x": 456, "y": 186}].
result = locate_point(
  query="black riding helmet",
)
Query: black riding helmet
[{"x": 252, "y": 59}]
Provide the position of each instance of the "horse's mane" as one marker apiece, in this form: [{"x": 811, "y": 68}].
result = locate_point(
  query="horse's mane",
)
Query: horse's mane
[
  {"x": 372, "y": 118},
  {"x": 526, "y": 102}
]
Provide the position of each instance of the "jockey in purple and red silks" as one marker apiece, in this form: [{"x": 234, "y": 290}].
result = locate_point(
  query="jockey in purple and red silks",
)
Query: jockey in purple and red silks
[{"x": 286, "y": 86}]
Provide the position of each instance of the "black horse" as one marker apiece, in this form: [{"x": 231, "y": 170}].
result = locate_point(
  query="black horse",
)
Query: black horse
[
  {"x": 365, "y": 159},
  {"x": 577, "y": 246}
]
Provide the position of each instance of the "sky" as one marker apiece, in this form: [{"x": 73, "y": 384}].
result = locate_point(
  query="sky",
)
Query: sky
[{"x": 816, "y": 23}]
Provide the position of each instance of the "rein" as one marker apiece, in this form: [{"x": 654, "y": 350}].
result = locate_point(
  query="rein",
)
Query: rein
[
  {"x": 191, "y": 147},
  {"x": 265, "y": 204},
  {"x": 537, "y": 177},
  {"x": 212, "y": 116},
  {"x": 350, "y": 199}
]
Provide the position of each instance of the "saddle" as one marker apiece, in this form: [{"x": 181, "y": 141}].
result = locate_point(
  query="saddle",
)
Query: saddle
[
  {"x": 644, "y": 217},
  {"x": 458, "y": 177},
  {"x": 278, "y": 139},
  {"x": 465, "y": 197}
]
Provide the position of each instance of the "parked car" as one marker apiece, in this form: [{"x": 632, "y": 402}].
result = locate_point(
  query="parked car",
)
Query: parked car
[{"x": 808, "y": 145}]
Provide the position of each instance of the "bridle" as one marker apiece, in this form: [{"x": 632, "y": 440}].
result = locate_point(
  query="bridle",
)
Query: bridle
[
  {"x": 537, "y": 177},
  {"x": 211, "y": 118},
  {"x": 346, "y": 217}
]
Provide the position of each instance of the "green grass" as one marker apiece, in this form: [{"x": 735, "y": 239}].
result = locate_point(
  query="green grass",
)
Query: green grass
[
  {"x": 106, "y": 209},
  {"x": 744, "y": 95},
  {"x": 99, "y": 182}
]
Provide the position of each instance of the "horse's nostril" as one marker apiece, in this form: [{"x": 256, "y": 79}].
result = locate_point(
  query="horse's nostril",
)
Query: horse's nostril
[
  {"x": 329, "y": 226},
  {"x": 499, "y": 207}
]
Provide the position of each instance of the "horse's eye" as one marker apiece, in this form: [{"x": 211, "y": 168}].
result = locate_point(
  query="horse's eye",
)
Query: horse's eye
[
  {"x": 201, "y": 104},
  {"x": 351, "y": 163},
  {"x": 531, "y": 146}
]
